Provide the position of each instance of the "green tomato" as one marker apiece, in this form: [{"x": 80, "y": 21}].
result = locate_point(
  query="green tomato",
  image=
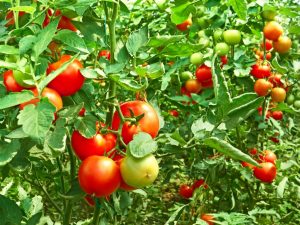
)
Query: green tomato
[
  {"x": 297, "y": 104},
  {"x": 218, "y": 35},
  {"x": 203, "y": 22},
  {"x": 204, "y": 41},
  {"x": 222, "y": 49},
  {"x": 201, "y": 34},
  {"x": 298, "y": 95},
  {"x": 268, "y": 15},
  {"x": 20, "y": 77},
  {"x": 139, "y": 172},
  {"x": 290, "y": 99},
  {"x": 186, "y": 75},
  {"x": 232, "y": 37},
  {"x": 196, "y": 58}
]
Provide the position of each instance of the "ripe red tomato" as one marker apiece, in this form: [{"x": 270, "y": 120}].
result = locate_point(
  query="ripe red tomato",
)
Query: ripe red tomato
[
  {"x": 208, "y": 218},
  {"x": 282, "y": 45},
  {"x": 268, "y": 55},
  {"x": 267, "y": 173},
  {"x": 100, "y": 144},
  {"x": 186, "y": 191},
  {"x": 104, "y": 53},
  {"x": 11, "y": 19},
  {"x": 49, "y": 93},
  {"x": 273, "y": 30},
  {"x": 268, "y": 114},
  {"x": 185, "y": 25},
  {"x": 277, "y": 115},
  {"x": 278, "y": 94},
  {"x": 203, "y": 73},
  {"x": 268, "y": 45},
  {"x": 81, "y": 112},
  {"x": 199, "y": 183},
  {"x": 193, "y": 86},
  {"x": 174, "y": 112},
  {"x": 64, "y": 22},
  {"x": 268, "y": 156},
  {"x": 261, "y": 70},
  {"x": 99, "y": 175},
  {"x": 253, "y": 151},
  {"x": 276, "y": 80},
  {"x": 207, "y": 83},
  {"x": 70, "y": 80},
  {"x": 149, "y": 123},
  {"x": 224, "y": 60},
  {"x": 262, "y": 87},
  {"x": 89, "y": 200},
  {"x": 245, "y": 164},
  {"x": 10, "y": 82}
]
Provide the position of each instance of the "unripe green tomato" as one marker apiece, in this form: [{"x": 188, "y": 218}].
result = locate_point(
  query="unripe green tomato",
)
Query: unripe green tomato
[
  {"x": 232, "y": 37},
  {"x": 201, "y": 34},
  {"x": 298, "y": 95},
  {"x": 186, "y": 75},
  {"x": 222, "y": 49},
  {"x": 297, "y": 104},
  {"x": 268, "y": 15},
  {"x": 290, "y": 99},
  {"x": 204, "y": 41},
  {"x": 20, "y": 77},
  {"x": 203, "y": 22},
  {"x": 196, "y": 58},
  {"x": 218, "y": 35}
]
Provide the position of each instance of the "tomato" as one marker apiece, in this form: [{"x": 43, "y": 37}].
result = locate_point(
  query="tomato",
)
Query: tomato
[
  {"x": 268, "y": 45},
  {"x": 297, "y": 104},
  {"x": 186, "y": 75},
  {"x": 268, "y": 55},
  {"x": 274, "y": 139},
  {"x": 207, "y": 84},
  {"x": 52, "y": 95},
  {"x": 186, "y": 191},
  {"x": 199, "y": 183},
  {"x": 268, "y": 114},
  {"x": 267, "y": 173},
  {"x": 10, "y": 82},
  {"x": 245, "y": 164},
  {"x": 89, "y": 200},
  {"x": 260, "y": 70},
  {"x": 104, "y": 53},
  {"x": 232, "y": 37},
  {"x": 204, "y": 42},
  {"x": 100, "y": 144},
  {"x": 193, "y": 86},
  {"x": 297, "y": 95},
  {"x": 218, "y": 35},
  {"x": 277, "y": 115},
  {"x": 273, "y": 30},
  {"x": 253, "y": 151},
  {"x": 81, "y": 112},
  {"x": 224, "y": 60},
  {"x": 290, "y": 99},
  {"x": 276, "y": 80},
  {"x": 139, "y": 172},
  {"x": 174, "y": 112},
  {"x": 278, "y": 94},
  {"x": 283, "y": 44},
  {"x": 203, "y": 73},
  {"x": 222, "y": 49},
  {"x": 196, "y": 58},
  {"x": 10, "y": 17},
  {"x": 268, "y": 156},
  {"x": 149, "y": 123},
  {"x": 99, "y": 176},
  {"x": 185, "y": 25},
  {"x": 203, "y": 22},
  {"x": 208, "y": 218},
  {"x": 262, "y": 87},
  {"x": 21, "y": 77},
  {"x": 55, "y": 49},
  {"x": 268, "y": 14},
  {"x": 70, "y": 80},
  {"x": 118, "y": 159}
]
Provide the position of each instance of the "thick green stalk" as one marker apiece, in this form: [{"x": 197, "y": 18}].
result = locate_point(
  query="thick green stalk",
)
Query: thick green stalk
[
  {"x": 68, "y": 213},
  {"x": 96, "y": 213},
  {"x": 62, "y": 181}
]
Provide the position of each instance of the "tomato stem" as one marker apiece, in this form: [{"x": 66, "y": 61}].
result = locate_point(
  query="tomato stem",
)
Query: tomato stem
[
  {"x": 96, "y": 212},
  {"x": 68, "y": 213},
  {"x": 63, "y": 189}
]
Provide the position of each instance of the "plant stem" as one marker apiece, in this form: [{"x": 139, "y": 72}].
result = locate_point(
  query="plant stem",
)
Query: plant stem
[
  {"x": 62, "y": 181},
  {"x": 239, "y": 137},
  {"x": 68, "y": 213},
  {"x": 96, "y": 213},
  {"x": 232, "y": 52}
]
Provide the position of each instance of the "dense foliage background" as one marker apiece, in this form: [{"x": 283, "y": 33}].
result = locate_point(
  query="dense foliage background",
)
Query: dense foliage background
[{"x": 204, "y": 135}]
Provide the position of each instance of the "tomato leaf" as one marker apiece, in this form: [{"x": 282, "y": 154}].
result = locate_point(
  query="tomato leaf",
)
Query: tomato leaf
[
  {"x": 181, "y": 12},
  {"x": 129, "y": 83},
  {"x": 278, "y": 67},
  {"x": 164, "y": 40},
  {"x": 8, "y": 65},
  {"x": 21, "y": 162},
  {"x": 10, "y": 212},
  {"x": 13, "y": 99},
  {"x": 175, "y": 215},
  {"x": 137, "y": 40},
  {"x": 17, "y": 133},
  {"x": 36, "y": 121},
  {"x": 75, "y": 192},
  {"x": 86, "y": 126},
  {"x": 240, "y": 7},
  {"x": 181, "y": 49},
  {"x": 26, "y": 9},
  {"x": 155, "y": 70},
  {"x": 8, "y": 50},
  {"x": 142, "y": 145},
  {"x": 8, "y": 151},
  {"x": 57, "y": 139},
  {"x": 70, "y": 111},
  {"x": 26, "y": 43},
  {"x": 281, "y": 187},
  {"x": 229, "y": 150},
  {"x": 35, "y": 219}
]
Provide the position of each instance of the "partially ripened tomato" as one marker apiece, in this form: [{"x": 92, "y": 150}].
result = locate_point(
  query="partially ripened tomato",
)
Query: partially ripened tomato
[
  {"x": 186, "y": 191},
  {"x": 267, "y": 173},
  {"x": 174, "y": 112},
  {"x": 278, "y": 94},
  {"x": 70, "y": 80},
  {"x": 99, "y": 176},
  {"x": 208, "y": 218},
  {"x": 253, "y": 151},
  {"x": 100, "y": 144},
  {"x": 118, "y": 159},
  {"x": 10, "y": 82},
  {"x": 185, "y": 25},
  {"x": 283, "y": 44},
  {"x": 273, "y": 30},
  {"x": 268, "y": 156},
  {"x": 149, "y": 123},
  {"x": 245, "y": 164},
  {"x": 262, "y": 87},
  {"x": 52, "y": 95},
  {"x": 203, "y": 73},
  {"x": 193, "y": 86},
  {"x": 64, "y": 22}
]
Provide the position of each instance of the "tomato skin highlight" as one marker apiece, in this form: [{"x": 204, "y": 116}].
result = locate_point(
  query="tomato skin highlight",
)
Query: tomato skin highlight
[
  {"x": 70, "y": 80},
  {"x": 10, "y": 83},
  {"x": 267, "y": 173},
  {"x": 149, "y": 123},
  {"x": 186, "y": 191},
  {"x": 99, "y": 175}
]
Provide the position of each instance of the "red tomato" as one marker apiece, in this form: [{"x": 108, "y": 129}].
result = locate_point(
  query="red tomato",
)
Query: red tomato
[
  {"x": 253, "y": 151},
  {"x": 99, "y": 176},
  {"x": 10, "y": 82},
  {"x": 11, "y": 19},
  {"x": 208, "y": 218},
  {"x": 174, "y": 112},
  {"x": 268, "y": 55},
  {"x": 268, "y": 156},
  {"x": 261, "y": 70},
  {"x": 64, "y": 22},
  {"x": 273, "y": 30},
  {"x": 276, "y": 80},
  {"x": 262, "y": 87},
  {"x": 245, "y": 164},
  {"x": 193, "y": 86},
  {"x": 274, "y": 139},
  {"x": 104, "y": 53},
  {"x": 149, "y": 123},
  {"x": 99, "y": 145},
  {"x": 224, "y": 60},
  {"x": 89, "y": 200},
  {"x": 277, "y": 115},
  {"x": 268, "y": 114},
  {"x": 199, "y": 183},
  {"x": 70, "y": 80},
  {"x": 278, "y": 94},
  {"x": 203, "y": 73},
  {"x": 207, "y": 83},
  {"x": 267, "y": 173},
  {"x": 81, "y": 112},
  {"x": 268, "y": 45},
  {"x": 49, "y": 93},
  {"x": 186, "y": 191},
  {"x": 185, "y": 25}
]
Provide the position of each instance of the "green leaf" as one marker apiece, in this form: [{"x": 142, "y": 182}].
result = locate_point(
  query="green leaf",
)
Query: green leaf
[
  {"x": 240, "y": 8},
  {"x": 10, "y": 212},
  {"x": 71, "y": 39},
  {"x": 26, "y": 43},
  {"x": 181, "y": 49},
  {"x": 32, "y": 206},
  {"x": 142, "y": 145},
  {"x": 17, "y": 134},
  {"x": 229, "y": 150},
  {"x": 181, "y": 12},
  {"x": 8, "y": 151},
  {"x": 178, "y": 138},
  {"x": 89, "y": 73},
  {"x": 26, "y": 9},
  {"x": 164, "y": 40},
  {"x": 175, "y": 215},
  {"x": 8, "y": 65},
  {"x": 155, "y": 70},
  {"x": 129, "y": 83},
  {"x": 278, "y": 67},
  {"x": 58, "y": 137},
  {"x": 35, "y": 219},
  {"x": 44, "y": 38},
  {"x": 87, "y": 126},
  {"x": 71, "y": 111},
  {"x": 200, "y": 124},
  {"x": 36, "y": 121},
  {"x": 121, "y": 53},
  {"x": 137, "y": 40},
  {"x": 115, "y": 68},
  {"x": 20, "y": 162},
  {"x": 8, "y": 50},
  {"x": 75, "y": 192},
  {"x": 281, "y": 187}
]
